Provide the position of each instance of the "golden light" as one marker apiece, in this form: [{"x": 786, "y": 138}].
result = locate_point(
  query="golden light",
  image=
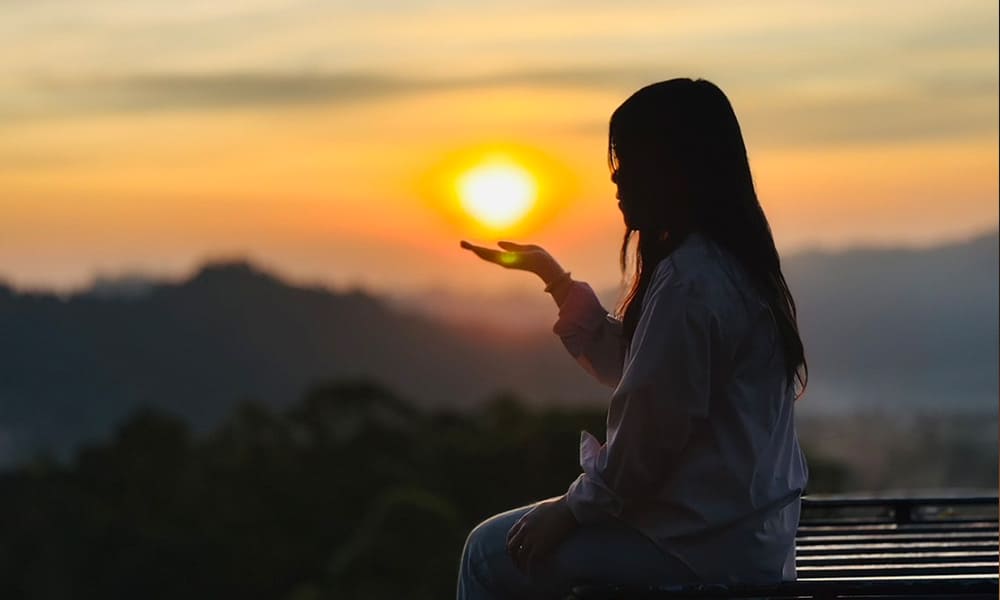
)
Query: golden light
[
  {"x": 498, "y": 193},
  {"x": 495, "y": 188}
]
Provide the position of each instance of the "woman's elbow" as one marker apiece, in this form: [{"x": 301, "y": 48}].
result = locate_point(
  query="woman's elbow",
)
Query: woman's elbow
[{"x": 604, "y": 375}]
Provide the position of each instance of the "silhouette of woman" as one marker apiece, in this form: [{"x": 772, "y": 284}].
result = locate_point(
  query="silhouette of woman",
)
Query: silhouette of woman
[{"x": 701, "y": 475}]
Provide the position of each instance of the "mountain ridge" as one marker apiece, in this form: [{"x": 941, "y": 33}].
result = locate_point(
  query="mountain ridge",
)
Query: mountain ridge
[{"x": 911, "y": 330}]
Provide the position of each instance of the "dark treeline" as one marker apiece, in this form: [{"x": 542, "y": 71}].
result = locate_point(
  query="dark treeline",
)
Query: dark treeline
[{"x": 351, "y": 493}]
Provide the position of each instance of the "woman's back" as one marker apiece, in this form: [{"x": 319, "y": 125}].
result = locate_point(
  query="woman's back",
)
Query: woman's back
[{"x": 727, "y": 503}]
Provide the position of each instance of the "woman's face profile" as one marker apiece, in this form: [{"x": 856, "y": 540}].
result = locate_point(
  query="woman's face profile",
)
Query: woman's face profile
[
  {"x": 618, "y": 193},
  {"x": 624, "y": 197},
  {"x": 629, "y": 188},
  {"x": 643, "y": 187}
]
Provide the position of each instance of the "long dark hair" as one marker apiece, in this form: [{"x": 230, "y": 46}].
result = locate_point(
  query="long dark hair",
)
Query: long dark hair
[{"x": 676, "y": 151}]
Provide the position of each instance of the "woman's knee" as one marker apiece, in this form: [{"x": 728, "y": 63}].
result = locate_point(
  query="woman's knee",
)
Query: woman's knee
[
  {"x": 490, "y": 536},
  {"x": 485, "y": 564}
]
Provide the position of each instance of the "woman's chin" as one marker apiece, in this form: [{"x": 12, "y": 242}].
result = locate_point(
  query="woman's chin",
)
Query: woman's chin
[{"x": 625, "y": 219}]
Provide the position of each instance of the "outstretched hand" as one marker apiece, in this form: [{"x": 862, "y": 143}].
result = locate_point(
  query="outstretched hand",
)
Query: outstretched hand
[{"x": 524, "y": 257}]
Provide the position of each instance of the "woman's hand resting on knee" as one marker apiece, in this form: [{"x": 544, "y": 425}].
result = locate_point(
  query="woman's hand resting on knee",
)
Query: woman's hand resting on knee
[{"x": 539, "y": 532}]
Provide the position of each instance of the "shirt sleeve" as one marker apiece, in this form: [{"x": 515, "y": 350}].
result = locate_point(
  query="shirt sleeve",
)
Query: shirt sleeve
[
  {"x": 664, "y": 387},
  {"x": 591, "y": 335}
]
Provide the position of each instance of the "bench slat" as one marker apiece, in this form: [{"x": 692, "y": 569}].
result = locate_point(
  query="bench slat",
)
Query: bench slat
[
  {"x": 899, "y": 547},
  {"x": 879, "y": 528},
  {"x": 889, "y": 520},
  {"x": 966, "y": 587},
  {"x": 899, "y": 537},
  {"x": 890, "y": 559},
  {"x": 912, "y": 570}
]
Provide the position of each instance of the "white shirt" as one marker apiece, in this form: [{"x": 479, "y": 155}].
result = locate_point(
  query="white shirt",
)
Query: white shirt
[{"x": 701, "y": 453}]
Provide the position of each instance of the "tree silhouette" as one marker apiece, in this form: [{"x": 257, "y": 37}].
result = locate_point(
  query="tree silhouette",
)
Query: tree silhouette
[{"x": 351, "y": 493}]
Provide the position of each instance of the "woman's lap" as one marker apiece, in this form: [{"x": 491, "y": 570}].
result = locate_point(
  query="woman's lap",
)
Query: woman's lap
[{"x": 605, "y": 553}]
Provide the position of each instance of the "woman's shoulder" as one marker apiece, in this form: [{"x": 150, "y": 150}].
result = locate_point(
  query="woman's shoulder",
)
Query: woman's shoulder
[
  {"x": 703, "y": 269},
  {"x": 693, "y": 261}
]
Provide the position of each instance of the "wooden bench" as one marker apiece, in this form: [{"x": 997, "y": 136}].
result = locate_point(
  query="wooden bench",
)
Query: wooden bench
[{"x": 869, "y": 548}]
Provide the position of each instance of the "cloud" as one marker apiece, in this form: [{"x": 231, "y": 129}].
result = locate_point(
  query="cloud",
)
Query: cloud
[
  {"x": 150, "y": 92},
  {"x": 778, "y": 112},
  {"x": 860, "y": 114}
]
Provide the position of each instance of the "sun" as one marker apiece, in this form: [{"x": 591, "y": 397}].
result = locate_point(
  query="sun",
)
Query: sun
[
  {"x": 495, "y": 189},
  {"x": 498, "y": 192}
]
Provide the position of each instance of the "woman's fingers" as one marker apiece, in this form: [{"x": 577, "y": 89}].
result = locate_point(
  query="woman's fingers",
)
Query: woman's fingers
[
  {"x": 516, "y": 526},
  {"x": 518, "y": 541},
  {"x": 518, "y": 247},
  {"x": 533, "y": 550},
  {"x": 529, "y": 559},
  {"x": 516, "y": 537},
  {"x": 523, "y": 543},
  {"x": 475, "y": 248},
  {"x": 504, "y": 259},
  {"x": 484, "y": 253},
  {"x": 514, "y": 534}
]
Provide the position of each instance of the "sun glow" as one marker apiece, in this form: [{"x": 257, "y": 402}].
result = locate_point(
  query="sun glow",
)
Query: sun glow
[
  {"x": 498, "y": 193},
  {"x": 494, "y": 188}
]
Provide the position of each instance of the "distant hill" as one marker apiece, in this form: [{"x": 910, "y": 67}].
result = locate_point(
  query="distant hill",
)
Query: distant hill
[
  {"x": 886, "y": 330},
  {"x": 900, "y": 329},
  {"x": 893, "y": 329},
  {"x": 73, "y": 367}
]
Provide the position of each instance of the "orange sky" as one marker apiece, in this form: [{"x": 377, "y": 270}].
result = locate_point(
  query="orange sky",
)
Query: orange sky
[{"x": 313, "y": 138}]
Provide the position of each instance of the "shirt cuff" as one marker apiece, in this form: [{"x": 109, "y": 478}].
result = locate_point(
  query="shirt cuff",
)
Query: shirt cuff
[
  {"x": 581, "y": 312},
  {"x": 589, "y": 498}
]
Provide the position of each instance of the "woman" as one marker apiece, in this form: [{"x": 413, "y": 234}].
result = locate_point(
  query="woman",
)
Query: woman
[{"x": 701, "y": 474}]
